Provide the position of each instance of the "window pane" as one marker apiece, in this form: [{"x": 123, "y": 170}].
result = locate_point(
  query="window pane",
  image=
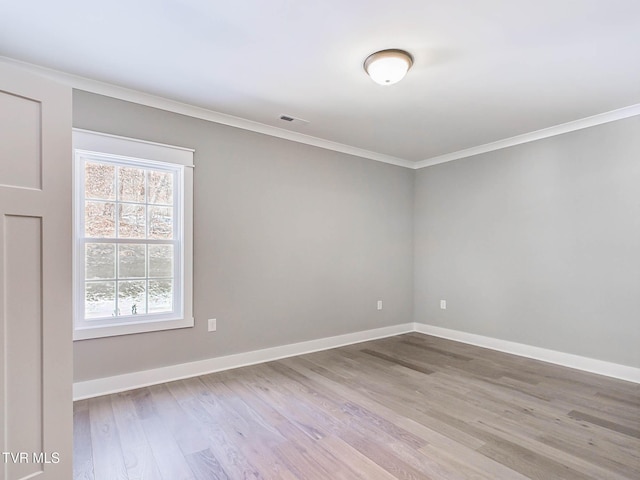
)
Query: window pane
[
  {"x": 161, "y": 222},
  {"x": 132, "y": 221},
  {"x": 99, "y": 181},
  {"x": 160, "y": 187},
  {"x": 100, "y": 299},
  {"x": 131, "y": 184},
  {"x": 160, "y": 260},
  {"x": 99, "y": 219},
  {"x": 131, "y": 261},
  {"x": 100, "y": 261},
  {"x": 160, "y": 296},
  {"x": 131, "y": 298}
]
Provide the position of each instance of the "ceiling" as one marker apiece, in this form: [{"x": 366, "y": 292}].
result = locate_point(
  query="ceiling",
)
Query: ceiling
[{"x": 484, "y": 70}]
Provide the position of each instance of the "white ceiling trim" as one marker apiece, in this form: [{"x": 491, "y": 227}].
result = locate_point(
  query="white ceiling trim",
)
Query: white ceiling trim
[
  {"x": 142, "y": 98},
  {"x": 572, "y": 126}
]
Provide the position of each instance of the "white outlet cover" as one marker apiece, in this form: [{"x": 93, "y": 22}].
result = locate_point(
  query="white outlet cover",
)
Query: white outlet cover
[
  {"x": 212, "y": 324},
  {"x": 379, "y": 304},
  {"x": 443, "y": 304}
]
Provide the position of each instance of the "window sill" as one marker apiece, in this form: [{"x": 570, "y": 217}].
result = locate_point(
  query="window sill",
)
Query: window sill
[{"x": 128, "y": 329}]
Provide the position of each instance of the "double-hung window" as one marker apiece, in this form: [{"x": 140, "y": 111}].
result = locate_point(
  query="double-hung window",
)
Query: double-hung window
[{"x": 133, "y": 236}]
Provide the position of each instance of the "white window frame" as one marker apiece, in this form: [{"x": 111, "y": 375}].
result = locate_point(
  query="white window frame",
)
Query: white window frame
[{"x": 88, "y": 145}]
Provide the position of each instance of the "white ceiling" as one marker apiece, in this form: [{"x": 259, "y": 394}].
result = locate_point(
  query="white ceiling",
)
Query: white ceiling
[{"x": 484, "y": 70}]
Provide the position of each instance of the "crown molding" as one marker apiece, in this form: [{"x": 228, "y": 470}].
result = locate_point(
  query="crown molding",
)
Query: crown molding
[
  {"x": 149, "y": 100},
  {"x": 572, "y": 126}
]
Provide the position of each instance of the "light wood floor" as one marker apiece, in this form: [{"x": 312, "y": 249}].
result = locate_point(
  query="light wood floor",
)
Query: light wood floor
[{"x": 406, "y": 407}]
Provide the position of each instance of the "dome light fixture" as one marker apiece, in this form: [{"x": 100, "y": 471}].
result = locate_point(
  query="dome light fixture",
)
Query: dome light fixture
[{"x": 387, "y": 67}]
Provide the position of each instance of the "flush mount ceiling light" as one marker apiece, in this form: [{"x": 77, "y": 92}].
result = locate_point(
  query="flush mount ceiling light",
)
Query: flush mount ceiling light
[{"x": 387, "y": 67}]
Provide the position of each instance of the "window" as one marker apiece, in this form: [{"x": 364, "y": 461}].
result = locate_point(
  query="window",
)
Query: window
[{"x": 133, "y": 236}]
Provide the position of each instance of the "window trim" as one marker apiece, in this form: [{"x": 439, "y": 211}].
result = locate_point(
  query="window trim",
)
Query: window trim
[{"x": 94, "y": 144}]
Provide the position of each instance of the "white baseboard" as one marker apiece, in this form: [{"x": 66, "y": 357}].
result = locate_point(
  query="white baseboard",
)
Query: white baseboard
[
  {"x": 129, "y": 381},
  {"x": 615, "y": 370}
]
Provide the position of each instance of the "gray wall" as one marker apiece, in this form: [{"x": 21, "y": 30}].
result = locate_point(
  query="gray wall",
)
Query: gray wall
[
  {"x": 292, "y": 242},
  {"x": 538, "y": 243}
]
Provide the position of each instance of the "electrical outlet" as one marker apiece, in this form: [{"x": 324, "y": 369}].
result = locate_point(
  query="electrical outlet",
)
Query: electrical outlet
[
  {"x": 379, "y": 304},
  {"x": 443, "y": 304},
  {"x": 212, "y": 324}
]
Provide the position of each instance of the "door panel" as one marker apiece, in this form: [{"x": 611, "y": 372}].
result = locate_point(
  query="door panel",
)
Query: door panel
[
  {"x": 20, "y": 139},
  {"x": 23, "y": 339},
  {"x": 35, "y": 277}
]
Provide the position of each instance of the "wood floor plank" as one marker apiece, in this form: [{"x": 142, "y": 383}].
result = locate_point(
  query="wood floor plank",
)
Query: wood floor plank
[
  {"x": 398, "y": 361},
  {"x": 137, "y": 454},
  {"x": 108, "y": 460},
  {"x": 569, "y": 443},
  {"x": 164, "y": 446},
  {"x": 271, "y": 402},
  {"x": 592, "y": 463},
  {"x": 472, "y": 464},
  {"x": 599, "y": 460},
  {"x": 363, "y": 423},
  {"x": 256, "y": 446},
  {"x": 365, "y": 468},
  {"x": 185, "y": 431},
  {"x": 231, "y": 459},
  {"x": 314, "y": 463},
  {"x": 422, "y": 432},
  {"x": 351, "y": 412},
  {"x": 406, "y": 407},
  {"x": 386, "y": 459},
  {"x": 417, "y": 411},
  {"x": 627, "y": 400},
  {"x": 82, "y": 451},
  {"x": 616, "y": 427},
  {"x": 420, "y": 345},
  {"x": 396, "y": 416},
  {"x": 528, "y": 462},
  {"x": 169, "y": 458},
  {"x": 205, "y": 466}
]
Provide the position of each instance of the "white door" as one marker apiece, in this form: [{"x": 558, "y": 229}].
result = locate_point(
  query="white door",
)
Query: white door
[{"x": 35, "y": 277}]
